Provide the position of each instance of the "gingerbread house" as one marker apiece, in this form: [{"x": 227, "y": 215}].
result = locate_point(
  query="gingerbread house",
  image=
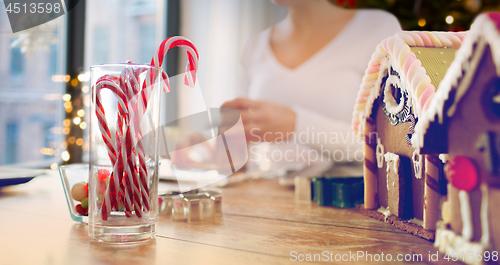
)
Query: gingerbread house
[
  {"x": 401, "y": 186},
  {"x": 463, "y": 122}
]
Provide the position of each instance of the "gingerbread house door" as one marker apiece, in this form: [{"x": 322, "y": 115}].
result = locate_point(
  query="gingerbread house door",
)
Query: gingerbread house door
[{"x": 395, "y": 184}]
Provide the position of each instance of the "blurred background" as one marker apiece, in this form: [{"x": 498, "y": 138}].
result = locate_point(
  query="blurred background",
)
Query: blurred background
[{"x": 44, "y": 93}]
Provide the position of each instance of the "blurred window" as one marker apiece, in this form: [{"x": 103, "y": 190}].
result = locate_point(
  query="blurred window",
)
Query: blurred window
[
  {"x": 100, "y": 45},
  {"x": 12, "y": 139},
  {"x": 32, "y": 74},
  {"x": 16, "y": 62}
]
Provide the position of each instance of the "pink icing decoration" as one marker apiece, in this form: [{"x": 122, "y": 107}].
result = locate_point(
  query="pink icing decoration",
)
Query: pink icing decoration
[
  {"x": 413, "y": 69},
  {"x": 398, "y": 44},
  {"x": 355, "y": 126},
  {"x": 428, "y": 91},
  {"x": 427, "y": 41},
  {"x": 419, "y": 74},
  {"x": 374, "y": 62},
  {"x": 461, "y": 36},
  {"x": 384, "y": 44},
  {"x": 495, "y": 17},
  {"x": 428, "y": 101},
  {"x": 418, "y": 41},
  {"x": 361, "y": 99},
  {"x": 408, "y": 60},
  {"x": 373, "y": 69},
  {"x": 390, "y": 45}
]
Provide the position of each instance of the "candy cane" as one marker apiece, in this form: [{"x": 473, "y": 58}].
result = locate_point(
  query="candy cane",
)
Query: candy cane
[
  {"x": 191, "y": 67},
  {"x": 110, "y": 83},
  {"x": 125, "y": 183},
  {"x": 109, "y": 201},
  {"x": 126, "y": 88},
  {"x": 132, "y": 90},
  {"x": 130, "y": 180}
]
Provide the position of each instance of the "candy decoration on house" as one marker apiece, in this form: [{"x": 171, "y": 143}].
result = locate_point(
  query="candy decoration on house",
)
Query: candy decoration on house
[
  {"x": 401, "y": 186},
  {"x": 463, "y": 121}
]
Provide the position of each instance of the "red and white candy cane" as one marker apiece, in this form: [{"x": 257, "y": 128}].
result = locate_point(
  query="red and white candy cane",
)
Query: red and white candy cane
[
  {"x": 191, "y": 67},
  {"x": 130, "y": 85},
  {"x": 108, "y": 83},
  {"x": 189, "y": 79},
  {"x": 101, "y": 116},
  {"x": 130, "y": 180}
]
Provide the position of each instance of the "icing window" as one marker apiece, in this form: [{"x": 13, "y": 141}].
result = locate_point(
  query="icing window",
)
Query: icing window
[
  {"x": 396, "y": 93},
  {"x": 395, "y": 99},
  {"x": 393, "y": 96}
]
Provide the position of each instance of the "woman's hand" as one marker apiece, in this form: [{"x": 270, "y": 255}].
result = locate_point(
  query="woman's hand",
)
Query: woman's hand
[{"x": 264, "y": 121}]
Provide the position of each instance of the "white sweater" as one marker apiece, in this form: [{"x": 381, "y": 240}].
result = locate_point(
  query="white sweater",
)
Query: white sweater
[{"x": 323, "y": 89}]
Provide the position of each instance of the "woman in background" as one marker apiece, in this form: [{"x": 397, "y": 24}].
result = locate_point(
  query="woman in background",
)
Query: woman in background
[{"x": 301, "y": 77}]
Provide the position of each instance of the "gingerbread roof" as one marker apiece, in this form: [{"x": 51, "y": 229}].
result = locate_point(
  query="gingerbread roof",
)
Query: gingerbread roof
[
  {"x": 420, "y": 58},
  {"x": 485, "y": 30}
]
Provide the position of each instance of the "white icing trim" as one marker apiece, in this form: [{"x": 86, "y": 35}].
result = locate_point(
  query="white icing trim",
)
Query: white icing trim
[
  {"x": 446, "y": 211},
  {"x": 396, "y": 49},
  {"x": 444, "y": 158},
  {"x": 417, "y": 164},
  {"x": 389, "y": 157},
  {"x": 379, "y": 151},
  {"x": 448, "y": 242},
  {"x": 385, "y": 211},
  {"x": 407, "y": 85},
  {"x": 484, "y": 31},
  {"x": 467, "y": 229},
  {"x": 374, "y": 92},
  {"x": 485, "y": 227},
  {"x": 416, "y": 221},
  {"x": 390, "y": 102}
]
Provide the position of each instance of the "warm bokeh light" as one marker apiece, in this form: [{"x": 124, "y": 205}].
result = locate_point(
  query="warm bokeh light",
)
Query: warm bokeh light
[
  {"x": 47, "y": 151},
  {"x": 422, "y": 22},
  {"x": 449, "y": 20},
  {"x": 74, "y": 82},
  {"x": 77, "y": 120},
  {"x": 65, "y": 156},
  {"x": 84, "y": 77},
  {"x": 60, "y": 78},
  {"x": 83, "y": 125},
  {"x": 66, "y": 97},
  {"x": 66, "y": 122}
]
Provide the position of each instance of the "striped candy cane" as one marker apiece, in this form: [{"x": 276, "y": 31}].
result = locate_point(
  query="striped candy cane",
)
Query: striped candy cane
[
  {"x": 109, "y": 83},
  {"x": 191, "y": 67},
  {"x": 131, "y": 88},
  {"x": 129, "y": 177}
]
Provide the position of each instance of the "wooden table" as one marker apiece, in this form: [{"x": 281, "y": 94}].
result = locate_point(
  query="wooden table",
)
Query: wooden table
[{"x": 262, "y": 223}]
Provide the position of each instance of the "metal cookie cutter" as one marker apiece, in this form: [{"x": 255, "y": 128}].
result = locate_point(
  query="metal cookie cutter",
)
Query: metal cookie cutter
[{"x": 192, "y": 206}]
